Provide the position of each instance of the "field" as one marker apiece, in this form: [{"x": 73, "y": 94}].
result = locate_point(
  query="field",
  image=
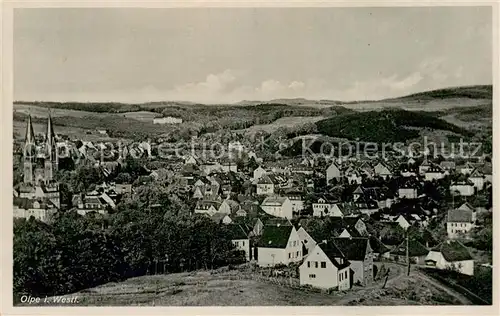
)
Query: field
[
  {"x": 417, "y": 105},
  {"x": 19, "y": 130},
  {"x": 84, "y": 125},
  {"x": 287, "y": 122},
  {"x": 42, "y": 112},
  {"x": 141, "y": 115},
  {"x": 241, "y": 287}
]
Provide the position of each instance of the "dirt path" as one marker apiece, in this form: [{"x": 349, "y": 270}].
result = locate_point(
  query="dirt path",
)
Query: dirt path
[
  {"x": 398, "y": 275},
  {"x": 459, "y": 297}
]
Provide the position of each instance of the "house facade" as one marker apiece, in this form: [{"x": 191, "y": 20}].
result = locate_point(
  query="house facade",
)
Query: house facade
[
  {"x": 360, "y": 255},
  {"x": 258, "y": 173},
  {"x": 464, "y": 188},
  {"x": 333, "y": 172},
  {"x": 279, "y": 245},
  {"x": 42, "y": 210},
  {"x": 382, "y": 170},
  {"x": 240, "y": 239},
  {"x": 477, "y": 178},
  {"x": 326, "y": 268},
  {"x": 451, "y": 255},
  {"x": 459, "y": 222},
  {"x": 278, "y": 206},
  {"x": 265, "y": 186},
  {"x": 321, "y": 206},
  {"x": 308, "y": 242}
]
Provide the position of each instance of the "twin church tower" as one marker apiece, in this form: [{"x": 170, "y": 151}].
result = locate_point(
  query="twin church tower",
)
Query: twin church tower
[{"x": 40, "y": 159}]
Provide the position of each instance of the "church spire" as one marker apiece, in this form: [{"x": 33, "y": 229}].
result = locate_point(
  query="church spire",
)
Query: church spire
[
  {"x": 50, "y": 137},
  {"x": 28, "y": 152},
  {"x": 30, "y": 133}
]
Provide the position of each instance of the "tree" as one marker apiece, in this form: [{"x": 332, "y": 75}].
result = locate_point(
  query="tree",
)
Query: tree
[
  {"x": 84, "y": 178},
  {"x": 123, "y": 177}
]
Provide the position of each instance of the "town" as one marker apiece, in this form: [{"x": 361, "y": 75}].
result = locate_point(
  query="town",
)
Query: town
[
  {"x": 251, "y": 155},
  {"x": 327, "y": 221}
]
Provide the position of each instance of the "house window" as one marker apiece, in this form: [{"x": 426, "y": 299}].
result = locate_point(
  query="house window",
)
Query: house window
[
  {"x": 316, "y": 264},
  {"x": 323, "y": 264},
  {"x": 312, "y": 276},
  {"x": 297, "y": 255},
  {"x": 308, "y": 264},
  {"x": 346, "y": 273},
  {"x": 243, "y": 243},
  {"x": 289, "y": 255}
]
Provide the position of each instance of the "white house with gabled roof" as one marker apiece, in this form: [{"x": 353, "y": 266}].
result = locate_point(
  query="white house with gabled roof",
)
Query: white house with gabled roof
[
  {"x": 451, "y": 254},
  {"x": 477, "y": 178},
  {"x": 279, "y": 244},
  {"x": 326, "y": 267},
  {"x": 278, "y": 206}
]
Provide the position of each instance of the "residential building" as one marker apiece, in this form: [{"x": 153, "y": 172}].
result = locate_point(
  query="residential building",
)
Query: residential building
[
  {"x": 326, "y": 267},
  {"x": 278, "y": 206},
  {"x": 403, "y": 222},
  {"x": 448, "y": 166},
  {"x": 221, "y": 218},
  {"x": 207, "y": 207},
  {"x": 382, "y": 170},
  {"x": 360, "y": 254},
  {"x": 308, "y": 242},
  {"x": 265, "y": 185},
  {"x": 451, "y": 254},
  {"x": 417, "y": 252},
  {"x": 320, "y": 208},
  {"x": 123, "y": 188},
  {"x": 354, "y": 177},
  {"x": 333, "y": 172},
  {"x": 467, "y": 168},
  {"x": 258, "y": 173},
  {"x": 167, "y": 120},
  {"x": 240, "y": 239},
  {"x": 408, "y": 190},
  {"x": 40, "y": 209},
  {"x": 257, "y": 228},
  {"x": 434, "y": 172},
  {"x": 424, "y": 166},
  {"x": 296, "y": 200},
  {"x": 355, "y": 223},
  {"x": 477, "y": 178},
  {"x": 279, "y": 244},
  {"x": 463, "y": 187},
  {"x": 459, "y": 222}
]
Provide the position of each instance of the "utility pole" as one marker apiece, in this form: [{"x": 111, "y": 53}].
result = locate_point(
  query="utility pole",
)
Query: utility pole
[{"x": 407, "y": 253}]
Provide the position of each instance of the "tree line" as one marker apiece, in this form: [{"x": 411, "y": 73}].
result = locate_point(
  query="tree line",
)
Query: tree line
[{"x": 78, "y": 252}]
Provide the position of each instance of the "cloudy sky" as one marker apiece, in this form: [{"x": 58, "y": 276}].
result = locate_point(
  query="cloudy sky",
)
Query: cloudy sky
[{"x": 229, "y": 55}]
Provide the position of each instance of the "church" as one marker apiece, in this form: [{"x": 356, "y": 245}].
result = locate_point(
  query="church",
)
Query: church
[{"x": 38, "y": 195}]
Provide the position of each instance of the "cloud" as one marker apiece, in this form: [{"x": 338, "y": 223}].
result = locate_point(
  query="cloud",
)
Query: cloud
[
  {"x": 270, "y": 86},
  {"x": 228, "y": 86},
  {"x": 407, "y": 82},
  {"x": 296, "y": 85}
]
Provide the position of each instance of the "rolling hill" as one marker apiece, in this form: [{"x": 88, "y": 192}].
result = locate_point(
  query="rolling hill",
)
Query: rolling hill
[{"x": 389, "y": 125}]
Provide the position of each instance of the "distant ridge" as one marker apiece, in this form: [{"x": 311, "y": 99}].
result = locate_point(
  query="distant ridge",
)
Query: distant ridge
[{"x": 469, "y": 92}]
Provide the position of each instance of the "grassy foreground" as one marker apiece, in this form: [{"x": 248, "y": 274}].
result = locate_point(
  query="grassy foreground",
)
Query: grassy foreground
[{"x": 241, "y": 287}]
